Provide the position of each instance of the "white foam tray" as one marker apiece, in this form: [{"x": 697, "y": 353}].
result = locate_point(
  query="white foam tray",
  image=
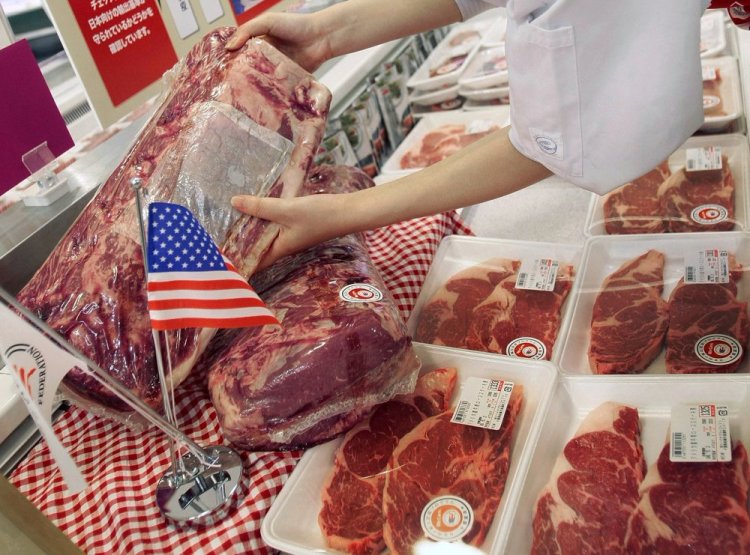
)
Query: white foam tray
[
  {"x": 444, "y": 51},
  {"x": 457, "y": 252},
  {"x": 428, "y": 98},
  {"x": 653, "y": 396},
  {"x": 604, "y": 255},
  {"x": 291, "y": 524},
  {"x": 485, "y": 94},
  {"x": 730, "y": 94},
  {"x": 430, "y": 122},
  {"x": 477, "y": 76},
  {"x": 713, "y": 34},
  {"x": 733, "y": 146}
]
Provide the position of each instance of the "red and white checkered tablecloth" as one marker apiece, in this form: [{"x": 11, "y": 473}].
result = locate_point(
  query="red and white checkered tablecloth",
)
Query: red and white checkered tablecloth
[{"x": 117, "y": 513}]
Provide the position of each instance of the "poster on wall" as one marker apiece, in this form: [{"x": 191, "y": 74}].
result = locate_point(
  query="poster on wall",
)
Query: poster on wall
[
  {"x": 120, "y": 49},
  {"x": 128, "y": 41}
]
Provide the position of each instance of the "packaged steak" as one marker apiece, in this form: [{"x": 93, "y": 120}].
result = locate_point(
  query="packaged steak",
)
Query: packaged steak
[
  {"x": 354, "y": 125},
  {"x": 393, "y": 99},
  {"x": 270, "y": 115},
  {"x": 342, "y": 346}
]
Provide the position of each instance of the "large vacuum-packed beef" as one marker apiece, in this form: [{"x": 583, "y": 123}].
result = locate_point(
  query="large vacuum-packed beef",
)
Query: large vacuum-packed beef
[
  {"x": 442, "y": 458},
  {"x": 693, "y": 507},
  {"x": 442, "y": 142},
  {"x": 634, "y": 207},
  {"x": 92, "y": 287},
  {"x": 696, "y": 201},
  {"x": 629, "y": 317},
  {"x": 593, "y": 489},
  {"x": 352, "y": 517},
  {"x": 481, "y": 308},
  {"x": 341, "y": 349},
  {"x": 708, "y": 327}
]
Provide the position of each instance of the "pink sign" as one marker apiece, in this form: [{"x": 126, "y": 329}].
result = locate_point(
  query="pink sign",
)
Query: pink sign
[{"x": 28, "y": 114}]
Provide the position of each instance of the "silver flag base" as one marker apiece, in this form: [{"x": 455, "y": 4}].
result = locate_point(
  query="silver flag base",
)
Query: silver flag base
[{"x": 202, "y": 495}]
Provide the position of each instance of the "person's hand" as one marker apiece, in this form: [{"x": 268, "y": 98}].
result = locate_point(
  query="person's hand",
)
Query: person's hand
[
  {"x": 304, "y": 221},
  {"x": 301, "y": 37}
]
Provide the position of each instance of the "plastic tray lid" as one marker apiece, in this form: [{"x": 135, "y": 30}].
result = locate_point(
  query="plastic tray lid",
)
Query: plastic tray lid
[
  {"x": 487, "y": 68},
  {"x": 291, "y": 524},
  {"x": 653, "y": 396},
  {"x": 604, "y": 255},
  {"x": 713, "y": 34},
  {"x": 428, "y": 98},
  {"x": 734, "y": 146},
  {"x": 485, "y": 94}
]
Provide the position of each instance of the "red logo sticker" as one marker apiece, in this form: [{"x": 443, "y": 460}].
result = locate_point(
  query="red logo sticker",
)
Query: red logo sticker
[
  {"x": 718, "y": 349},
  {"x": 526, "y": 347}
]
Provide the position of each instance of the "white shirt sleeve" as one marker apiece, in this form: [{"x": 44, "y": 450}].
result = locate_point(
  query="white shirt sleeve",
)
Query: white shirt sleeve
[
  {"x": 470, "y": 8},
  {"x": 602, "y": 92}
]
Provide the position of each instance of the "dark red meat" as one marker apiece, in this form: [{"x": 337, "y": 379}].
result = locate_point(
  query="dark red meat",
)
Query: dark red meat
[
  {"x": 351, "y": 518},
  {"x": 629, "y": 317},
  {"x": 634, "y": 207},
  {"x": 593, "y": 490}
]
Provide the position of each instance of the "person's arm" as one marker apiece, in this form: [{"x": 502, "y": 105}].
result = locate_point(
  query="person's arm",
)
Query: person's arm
[
  {"x": 486, "y": 169},
  {"x": 345, "y": 27}
]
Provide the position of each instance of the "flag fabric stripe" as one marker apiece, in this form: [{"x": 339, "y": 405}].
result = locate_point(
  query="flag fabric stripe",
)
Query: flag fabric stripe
[
  {"x": 246, "y": 322},
  {"x": 169, "y": 304},
  {"x": 199, "y": 294},
  {"x": 209, "y": 313},
  {"x": 198, "y": 284},
  {"x": 190, "y": 283}
]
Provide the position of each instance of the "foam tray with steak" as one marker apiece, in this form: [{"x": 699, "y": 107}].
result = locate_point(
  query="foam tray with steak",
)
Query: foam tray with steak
[
  {"x": 660, "y": 304},
  {"x": 407, "y": 474}
]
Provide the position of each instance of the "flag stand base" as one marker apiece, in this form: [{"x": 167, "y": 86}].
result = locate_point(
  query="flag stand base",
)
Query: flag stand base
[{"x": 201, "y": 495}]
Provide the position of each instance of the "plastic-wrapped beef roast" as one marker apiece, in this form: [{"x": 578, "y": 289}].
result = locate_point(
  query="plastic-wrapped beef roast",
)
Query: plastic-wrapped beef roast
[
  {"x": 342, "y": 347},
  {"x": 210, "y": 135},
  {"x": 629, "y": 318}
]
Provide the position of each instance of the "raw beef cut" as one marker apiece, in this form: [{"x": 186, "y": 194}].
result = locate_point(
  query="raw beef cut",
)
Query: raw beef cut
[
  {"x": 352, "y": 518},
  {"x": 442, "y": 458},
  {"x": 634, "y": 207},
  {"x": 92, "y": 287},
  {"x": 335, "y": 356},
  {"x": 593, "y": 490},
  {"x": 708, "y": 327},
  {"x": 689, "y": 507},
  {"x": 445, "y": 319},
  {"x": 713, "y": 105},
  {"x": 629, "y": 318},
  {"x": 441, "y": 143},
  {"x": 698, "y": 202},
  {"x": 520, "y": 322}
]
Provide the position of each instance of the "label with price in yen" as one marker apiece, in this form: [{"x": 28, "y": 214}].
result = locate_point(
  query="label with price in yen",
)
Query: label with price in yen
[{"x": 700, "y": 433}]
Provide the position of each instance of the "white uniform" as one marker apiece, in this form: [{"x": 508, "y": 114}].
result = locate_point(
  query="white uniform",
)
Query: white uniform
[{"x": 601, "y": 90}]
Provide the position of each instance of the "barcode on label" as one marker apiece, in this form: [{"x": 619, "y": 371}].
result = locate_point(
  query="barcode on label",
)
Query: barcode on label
[
  {"x": 460, "y": 413},
  {"x": 678, "y": 439},
  {"x": 690, "y": 273},
  {"x": 522, "y": 277},
  {"x": 690, "y": 164},
  {"x": 723, "y": 439}
]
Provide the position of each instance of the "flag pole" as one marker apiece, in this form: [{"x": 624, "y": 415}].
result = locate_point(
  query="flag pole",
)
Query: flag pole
[
  {"x": 110, "y": 383},
  {"x": 178, "y": 467}
]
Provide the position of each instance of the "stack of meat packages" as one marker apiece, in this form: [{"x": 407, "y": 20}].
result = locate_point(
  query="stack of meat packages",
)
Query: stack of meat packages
[
  {"x": 333, "y": 358},
  {"x": 703, "y": 325},
  {"x": 480, "y": 308}
]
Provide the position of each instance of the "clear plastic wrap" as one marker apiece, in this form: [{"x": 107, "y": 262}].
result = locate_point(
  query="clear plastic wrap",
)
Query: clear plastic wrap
[
  {"x": 342, "y": 347},
  {"x": 224, "y": 125}
]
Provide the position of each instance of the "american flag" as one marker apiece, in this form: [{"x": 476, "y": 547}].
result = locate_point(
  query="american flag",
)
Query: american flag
[{"x": 190, "y": 283}]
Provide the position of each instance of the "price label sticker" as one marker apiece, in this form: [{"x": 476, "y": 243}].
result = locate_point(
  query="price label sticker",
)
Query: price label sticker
[
  {"x": 537, "y": 275},
  {"x": 700, "y": 433},
  {"x": 703, "y": 159},
  {"x": 707, "y": 266},
  {"x": 483, "y": 402}
]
